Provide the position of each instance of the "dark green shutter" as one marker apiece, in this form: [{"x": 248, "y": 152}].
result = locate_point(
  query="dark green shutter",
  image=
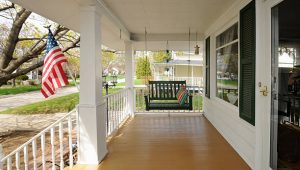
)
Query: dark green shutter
[
  {"x": 247, "y": 63},
  {"x": 207, "y": 67}
]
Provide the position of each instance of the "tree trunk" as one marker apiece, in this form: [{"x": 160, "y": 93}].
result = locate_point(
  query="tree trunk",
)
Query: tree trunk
[{"x": 14, "y": 83}]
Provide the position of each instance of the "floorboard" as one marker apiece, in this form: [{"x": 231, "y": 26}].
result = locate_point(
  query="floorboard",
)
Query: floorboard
[{"x": 170, "y": 142}]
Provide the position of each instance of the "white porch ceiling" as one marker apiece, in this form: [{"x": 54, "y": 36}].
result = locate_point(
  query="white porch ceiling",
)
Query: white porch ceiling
[
  {"x": 168, "y": 16},
  {"x": 163, "y": 19}
]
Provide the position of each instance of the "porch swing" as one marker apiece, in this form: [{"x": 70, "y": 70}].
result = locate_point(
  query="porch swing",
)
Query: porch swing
[{"x": 168, "y": 95}]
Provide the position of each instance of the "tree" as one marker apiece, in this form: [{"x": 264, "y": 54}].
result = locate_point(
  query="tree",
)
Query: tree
[
  {"x": 23, "y": 42},
  {"x": 74, "y": 65},
  {"x": 161, "y": 56},
  {"x": 108, "y": 58},
  {"x": 143, "y": 68}
]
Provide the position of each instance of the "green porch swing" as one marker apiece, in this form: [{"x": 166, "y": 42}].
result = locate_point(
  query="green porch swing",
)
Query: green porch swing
[{"x": 168, "y": 95}]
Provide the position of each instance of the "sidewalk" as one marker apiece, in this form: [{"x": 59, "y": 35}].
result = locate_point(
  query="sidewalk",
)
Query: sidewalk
[
  {"x": 12, "y": 101},
  {"x": 11, "y": 122},
  {"x": 37, "y": 122}
]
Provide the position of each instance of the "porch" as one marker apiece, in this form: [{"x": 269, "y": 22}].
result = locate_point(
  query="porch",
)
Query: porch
[
  {"x": 169, "y": 141},
  {"x": 188, "y": 142}
]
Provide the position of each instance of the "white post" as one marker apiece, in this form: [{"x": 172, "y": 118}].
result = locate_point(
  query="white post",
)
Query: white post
[
  {"x": 129, "y": 75},
  {"x": 91, "y": 113}
]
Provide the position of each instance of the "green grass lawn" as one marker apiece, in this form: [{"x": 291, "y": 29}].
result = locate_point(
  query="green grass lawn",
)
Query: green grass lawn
[
  {"x": 109, "y": 78},
  {"x": 18, "y": 89},
  {"x": 228, "y": 82},
  {"x": 23, "y": 89},
  {"x": 59, "y": 104},
  {"x": 136, "y": 82}
]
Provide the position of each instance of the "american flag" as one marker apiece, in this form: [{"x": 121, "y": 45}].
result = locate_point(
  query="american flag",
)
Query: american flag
[{"x": 53, "y": 74}]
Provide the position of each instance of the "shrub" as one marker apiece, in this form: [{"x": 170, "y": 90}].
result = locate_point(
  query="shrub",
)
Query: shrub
[{"x": 22, "y": 77}]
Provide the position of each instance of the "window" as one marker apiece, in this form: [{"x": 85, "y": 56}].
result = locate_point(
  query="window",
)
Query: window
[
  {"x": 207, "y": 67},
  {"x": 227, "y": 65}
]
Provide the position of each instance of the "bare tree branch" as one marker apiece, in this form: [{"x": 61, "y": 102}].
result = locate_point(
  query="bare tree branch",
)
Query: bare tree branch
[
  {"x": 11, "y": 42},
  {"x": 20, "y": 72},
  {"x": 74, "y": 45},
  {"x": 32, "y": 38},
  {"x": 7, "y": 7},
  {"x": 4, "y": 17}
]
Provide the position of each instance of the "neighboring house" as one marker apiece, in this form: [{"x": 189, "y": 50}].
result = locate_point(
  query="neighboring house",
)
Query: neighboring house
[{"x": 184, "y": 67}]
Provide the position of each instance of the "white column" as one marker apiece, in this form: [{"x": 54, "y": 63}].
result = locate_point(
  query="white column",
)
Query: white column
[
  {"x": 92, "y": 116},
  {"x": 129, "y": 73}
]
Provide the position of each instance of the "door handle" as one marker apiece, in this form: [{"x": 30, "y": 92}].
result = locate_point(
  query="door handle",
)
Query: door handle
[{"x": 264, "y": 91}]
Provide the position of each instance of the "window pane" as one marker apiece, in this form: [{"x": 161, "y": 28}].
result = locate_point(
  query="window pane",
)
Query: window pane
[
  {"x": 227, "y": 73},
  {"x": 227, "y": 36}
]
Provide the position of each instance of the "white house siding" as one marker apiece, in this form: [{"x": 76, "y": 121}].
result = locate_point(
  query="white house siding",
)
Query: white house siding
[
  {"x": 182, "y": 71},
  {"x": 224, "y": 116}
]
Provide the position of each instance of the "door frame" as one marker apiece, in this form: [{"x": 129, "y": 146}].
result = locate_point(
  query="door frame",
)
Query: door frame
[
  {"x": 264, "y": 78},
  {"x": 274, "y": 89}
]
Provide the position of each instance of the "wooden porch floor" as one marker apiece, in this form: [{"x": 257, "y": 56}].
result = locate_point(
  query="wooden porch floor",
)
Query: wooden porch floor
[{"x": 178, "y": 142}]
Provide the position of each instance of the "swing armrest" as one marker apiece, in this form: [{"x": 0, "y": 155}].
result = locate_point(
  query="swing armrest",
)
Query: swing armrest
[
  {"x": 147, "y": 101},
  {"x": 190, "y": 102}
]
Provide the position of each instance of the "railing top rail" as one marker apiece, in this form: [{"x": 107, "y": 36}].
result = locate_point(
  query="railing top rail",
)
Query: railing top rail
[
  {"x": 38, "y": 135},
  {"x": 167, "y": 82}
]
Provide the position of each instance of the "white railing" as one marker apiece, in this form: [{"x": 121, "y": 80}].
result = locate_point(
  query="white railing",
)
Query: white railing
[
  {"x": 195, "y": 91},
  {"x": 117, "y": 109},
  {"x": 44, "y": 151}
]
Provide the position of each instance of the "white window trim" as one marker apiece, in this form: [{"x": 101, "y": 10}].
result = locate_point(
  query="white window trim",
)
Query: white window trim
[{"x": 223, "y": 46}]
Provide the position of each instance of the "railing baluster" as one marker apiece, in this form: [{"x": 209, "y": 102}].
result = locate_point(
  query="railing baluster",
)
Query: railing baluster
[
  {"x": 1, "y": 157},
  {"x": 123, "y": 104},
  {"x": 9, "y": 164},
  {"x": 119, "y": 105},
  {"x": 18, "y": 160},
  {"x": 52, "y": 137},
  {"x": 34, "y": 154},
  {"x": 135, "y": 103},
  {"x": 77, "y": 131},
  {"x": 109, "y": 116},
  {"x": 138, "y": 100},
  {"x": 194, "y": 97},
  {"x": 199, "y": 98},
  {"x": 43, "y": 151},
  {"x": 61, "y": 146},
  {"x": 26, "y": 157},
  {"x": 70, "y": 141},
  {"x": 143, "y": 94},
  {"x": 114, "y": 111}
]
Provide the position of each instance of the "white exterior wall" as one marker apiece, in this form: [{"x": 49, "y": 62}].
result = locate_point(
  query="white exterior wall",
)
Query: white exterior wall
[
  {"x": 251, "y": 142},
  {"x": 225, "y": 116}
]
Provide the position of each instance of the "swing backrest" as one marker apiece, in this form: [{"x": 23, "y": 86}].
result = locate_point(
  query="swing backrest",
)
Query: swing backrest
[{"x": 164, "y": 90}]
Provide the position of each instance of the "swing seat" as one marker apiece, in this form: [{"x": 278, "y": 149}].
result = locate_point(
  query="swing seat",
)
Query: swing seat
[{"x": 162, "y": 96}]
